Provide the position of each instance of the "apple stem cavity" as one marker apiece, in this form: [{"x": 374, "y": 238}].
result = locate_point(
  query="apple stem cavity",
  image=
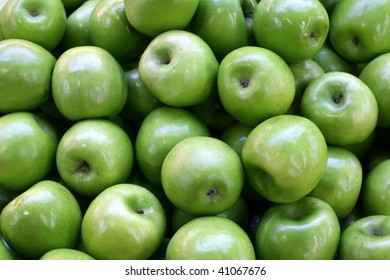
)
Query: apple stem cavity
[
  {"x": 140, "y": 212},
  {"x": 375, "y": 231},
  {"x": 337, "y": 98},
  {"x": 212, "y": 191},
  {"x": 83, "y": 167},
  {"x": 244, "y": 83}
]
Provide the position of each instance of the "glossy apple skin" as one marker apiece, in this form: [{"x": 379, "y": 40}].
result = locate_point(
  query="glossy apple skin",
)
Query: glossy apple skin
[
  {"x": 284, "y": 158},
  {"x": 44, "y": 217},
  {"x": 296, "y": 32},
  {"x": 250, "y": 77},
  {"x": 125, "y": 221},
  {"x": 159, "y": 132},
  {"x": 41, "y": 22},
  {"x": 88, "y": 82},
  {"x": 342, "y": 181},
  {"x": 342, "y": 106},
  {"x": 153, "y": 17},
  {"x": 124, "y": 42},
  {"x": 375, "y": 190},
  {"x": 212, "y": 16},
  {"x": 305, "y": 229},
  {"x": 179, "y": 68},
  {"x": 93, "y": 155},
  {"x": 360, "y": 29},
  {"x": 66, "y": 254},
  {"x": 202, "y": 175},
  {"x": 28, "y": 147},
  {"x": 210, "y": 238},
  {"x": 376, "y": 75},
  {"x": 25, "y": 72},
  {"x": 77, "y": 32},
  {"x": 368, "y": 238}
]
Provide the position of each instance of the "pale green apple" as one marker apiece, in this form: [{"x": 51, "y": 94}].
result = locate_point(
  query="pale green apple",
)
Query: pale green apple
[
  {"x": 44, "y": 217},
  {"x": 153, "y": 17},
  {"x": 93, "y": 155},
  {"x": 25, "y": 74},
  {"x": 88, "y": 82},
  {"x": 255, "y": 84},
  {"x": 124, "y": 222},
  {"x": 28, "y": 147},
  {"x": 179, "y": 68},
  {"x": 284, "y": 158},
  {"x": 294, "y": 29},
  {"x": 202, "y": 175},
  {"x": 39, "y": 21},
  {"x": 210, "y": 238}
]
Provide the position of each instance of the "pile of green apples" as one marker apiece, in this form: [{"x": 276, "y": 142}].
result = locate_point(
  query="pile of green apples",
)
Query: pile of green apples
[{"x": 194, "y": 129}]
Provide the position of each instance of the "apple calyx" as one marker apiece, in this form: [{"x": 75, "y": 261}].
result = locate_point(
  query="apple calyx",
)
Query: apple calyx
[
  {"x": 376, "y": 231},
  {"x": 244, "y": 83},
  {"x": 212, "y": 192},
  {"x": 337, "y": 97},
  {"x": 83, "y": 168}
]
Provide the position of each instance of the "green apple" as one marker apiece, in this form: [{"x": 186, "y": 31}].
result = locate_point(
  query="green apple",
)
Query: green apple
[
  {"x": 307, "y": 229},
  {"x": 284, "y": 158},
  {"x": 210, "y": 238},
  {"x": 159, "y": 132},
  {"x": 238, "y": 213},
  {"x": 5, "y": 254},
  {"x": 124, "y": 42},
  {"x": 294, "y": 29},
  {"x": 250, "y": 77},
  {"x": 140, "y": 101},
  {"x": 125, "y": 221},
  {"x": 304, "y": 73},
  {"x": 25, "y": 74},
  {"x": 331, "y": 61},
  {"x": 202, "y": 175},
  {"x": 213, "y": 16},
  {"x": 93, "y": 155},
  {"x": 88, "y": 82},
  {"x": 39, "y": 21},
  {"x": 352, "y": 217},
  {"x": 77, "y": 31},
  {"x": 375, "y": 190},
  {"x": 360, "y": 29},
  {"x": 368, "y": 238},
  {"x": 153, "y": 17},
  {"x": 342, "y": 181},
  {"x": 179, "y": 68},
  {"x": 28, "y": 147},
  {"x": 376, "y": 75},
  {"x": 363, "y": 148},
  {"x": 342, "y": 106},
  {"x": 66, "y": 254},
  {"x": 44, "y": 217}
]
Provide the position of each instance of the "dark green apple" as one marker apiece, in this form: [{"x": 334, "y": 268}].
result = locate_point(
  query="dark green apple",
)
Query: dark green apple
[
  {"x": 376, "y": 75},
  {"x": 124, "y": 42},
  {"x": 124, "y": 222},
  {"x": 342, "y": 181},
  {"x": 44, "y": 217},
  {"x": 202, "y": 175},
  {"x": 39, "y": 21},
  {"x": 71, "y": 5},
  {"x": 88, "y": 82},
  {"x": 307, "y": 229},
  {"x": 375, "y": 190},
  {"x": 213, "y": 16},
  {"x": 25, "y": 74},
  {"x": 294, "y": 29},
  {"x": 368, "y": 238},
  {"x": 342, "y": 106},
  {"x": 179, "y": 68},
  {"x": 28, "y": 147},
  {"x": 359, "y": 29},
  {"x": 153, "y": 17},
  {"x": 210, "y": 238},
  {"x": 159, "y": 132},
  {"x": 63, "y": 254},
  {"x": 93, "y": 155},
  {"x": 284, "y": 158},
  {"x": 255, "y": 84}
]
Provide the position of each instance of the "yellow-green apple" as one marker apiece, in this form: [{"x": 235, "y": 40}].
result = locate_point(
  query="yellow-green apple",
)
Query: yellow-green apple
[
  {"x": 179, "y": 68},
  {"x": 255, "y": 84},
  {"x": 125, "y": 221},
  {"x": 284, "y": 158},
  {"x": 210, "y": 238}
]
